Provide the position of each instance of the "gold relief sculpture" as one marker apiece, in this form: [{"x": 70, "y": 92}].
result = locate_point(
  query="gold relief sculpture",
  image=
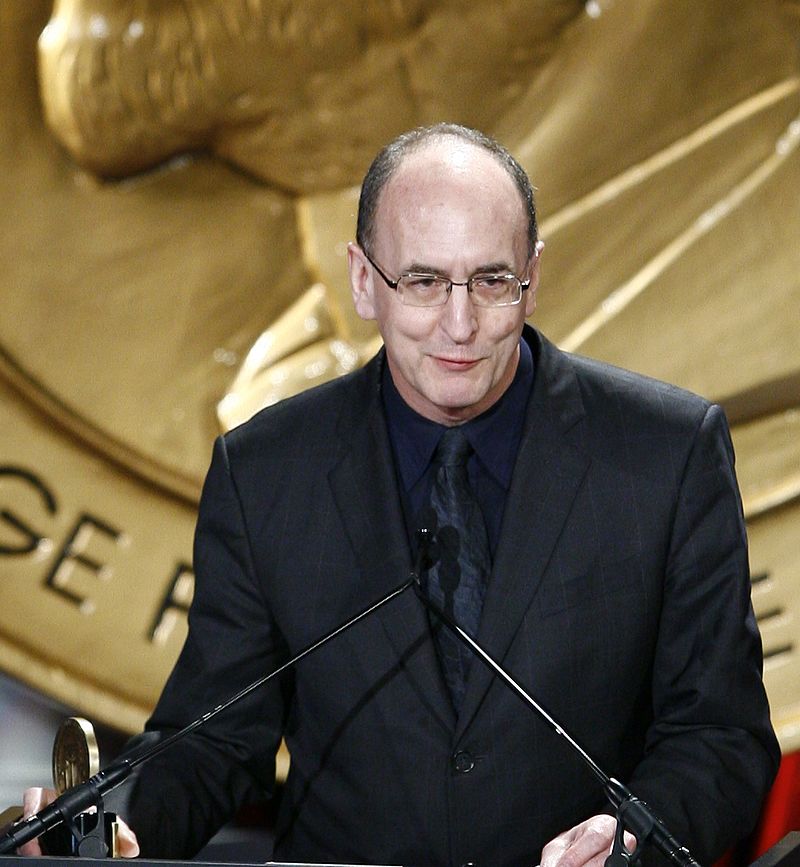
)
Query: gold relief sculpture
[
  {"x": 297, "y": 94},
  {"x": 179, "y": 181},
  {"x": 302, "y": 347}
]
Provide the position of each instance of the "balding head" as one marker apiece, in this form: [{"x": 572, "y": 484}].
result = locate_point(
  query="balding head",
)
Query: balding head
[{"x": 387, "y": 162}]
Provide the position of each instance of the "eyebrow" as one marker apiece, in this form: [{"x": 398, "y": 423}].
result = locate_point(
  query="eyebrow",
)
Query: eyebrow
[{"x": 488, "y": 268}]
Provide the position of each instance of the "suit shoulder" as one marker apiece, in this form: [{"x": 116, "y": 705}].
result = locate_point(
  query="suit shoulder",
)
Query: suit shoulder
[
  {"x": 308, "y": 417},
  {"x": 582, "y": 386},
  {"x": 628, "y": 420},
  {"x": 605, "y": 387}
]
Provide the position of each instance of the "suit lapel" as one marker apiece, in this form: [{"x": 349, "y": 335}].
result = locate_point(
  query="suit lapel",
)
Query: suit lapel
[
  {"x": 364, "y": 488},
  {"x": 548, "y": 473},
  {"x": 550, "y": 468}
]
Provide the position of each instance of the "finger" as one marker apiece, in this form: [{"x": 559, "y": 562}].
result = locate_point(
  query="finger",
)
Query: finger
[
  {"x": 592, "y": 847},
  {"x": 585, "y": 845},
  {"x": 600, "y": 858},
  {"x": 127, "y": 844},
  {"x": 630, "y": 842},
  {"x": 552, "y": 852},
  {"x": 33, "y": 800},
  {"x": 31, "y": 849},
  {"x": 591, "y": 844}
]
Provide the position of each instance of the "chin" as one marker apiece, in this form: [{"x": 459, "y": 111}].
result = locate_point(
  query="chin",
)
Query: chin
[{"x": 458, "y": 403}]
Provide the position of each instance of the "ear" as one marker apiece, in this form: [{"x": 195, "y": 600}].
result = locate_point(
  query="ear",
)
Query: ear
[
  {"x": 530, "y": 301},
  {"x": 361, "y": 284}
]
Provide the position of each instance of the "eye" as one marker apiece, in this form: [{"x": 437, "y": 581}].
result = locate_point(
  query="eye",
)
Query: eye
[
  {"x": 492, "y": 283},
  {"x": 422, "y": 282}
]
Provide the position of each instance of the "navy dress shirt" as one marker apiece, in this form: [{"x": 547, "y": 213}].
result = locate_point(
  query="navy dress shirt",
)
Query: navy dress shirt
[{"x": 494, "y": 436}]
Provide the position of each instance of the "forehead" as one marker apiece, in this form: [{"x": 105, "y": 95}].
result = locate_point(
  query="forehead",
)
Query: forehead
[{"x": 451, "y": 190}]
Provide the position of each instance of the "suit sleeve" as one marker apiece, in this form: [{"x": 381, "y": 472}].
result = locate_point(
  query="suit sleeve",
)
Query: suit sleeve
[
  {"x": 710, "y": 754},
  {"x": 182, "y": 797}
]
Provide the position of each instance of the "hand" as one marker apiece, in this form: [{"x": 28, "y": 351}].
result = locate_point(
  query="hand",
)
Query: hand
[
  {"x": 37, "y": 799},
  {"x": 585, "y": 845}
]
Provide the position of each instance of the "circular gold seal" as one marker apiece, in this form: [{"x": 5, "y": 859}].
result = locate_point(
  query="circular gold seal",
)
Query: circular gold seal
[
  {"x": 111, "y": 369},
  {"x": 75, "y": 754}
]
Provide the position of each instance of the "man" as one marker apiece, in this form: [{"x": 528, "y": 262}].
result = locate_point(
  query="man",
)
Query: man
[{"x": 616, "y": 590}]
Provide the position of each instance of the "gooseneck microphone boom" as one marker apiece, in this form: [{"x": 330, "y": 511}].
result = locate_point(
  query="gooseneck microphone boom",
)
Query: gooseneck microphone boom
[
  {"x": 82, "y": 797},
  {"x": 632, "y": 814}
]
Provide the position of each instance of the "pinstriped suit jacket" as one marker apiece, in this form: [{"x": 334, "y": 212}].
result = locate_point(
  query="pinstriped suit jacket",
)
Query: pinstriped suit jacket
[{"x": 619, "y": 597}]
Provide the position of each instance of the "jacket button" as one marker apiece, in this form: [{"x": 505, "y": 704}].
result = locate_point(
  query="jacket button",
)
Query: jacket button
[{"x": 463, "y": 763}]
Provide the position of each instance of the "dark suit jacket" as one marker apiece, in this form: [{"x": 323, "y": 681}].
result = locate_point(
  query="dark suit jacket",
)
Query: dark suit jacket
[{"x": 619, "y": 597}]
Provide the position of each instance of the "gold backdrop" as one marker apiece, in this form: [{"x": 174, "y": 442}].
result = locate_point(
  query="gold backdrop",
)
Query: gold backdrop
[{"x": 178, "y": 184}]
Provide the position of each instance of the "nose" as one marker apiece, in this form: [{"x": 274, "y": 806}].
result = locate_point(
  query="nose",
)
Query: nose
[{"x": 459, "y": 319}]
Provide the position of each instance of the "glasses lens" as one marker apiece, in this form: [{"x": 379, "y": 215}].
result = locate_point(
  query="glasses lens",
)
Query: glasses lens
[
  {"x": 423, "y": 290},
  {"x": 495, "y": 290}
]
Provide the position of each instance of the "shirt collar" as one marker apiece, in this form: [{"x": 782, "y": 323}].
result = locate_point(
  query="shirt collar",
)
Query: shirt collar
[{"x": 494, "y": 435}]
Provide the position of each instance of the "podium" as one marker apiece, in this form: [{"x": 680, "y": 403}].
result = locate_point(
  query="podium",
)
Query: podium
[
  {"x": 785, "y": 853},
  {"x": 47, "y": 861}
]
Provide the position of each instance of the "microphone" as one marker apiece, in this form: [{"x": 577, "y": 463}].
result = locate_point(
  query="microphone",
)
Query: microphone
[
  {"x": 82, "y": 797},
  {"x": 427, "y": 553},
  {"x": 66, "y": 808},
  {"x": 632, "y": 813},
  {"x": 437, "y": 546}
]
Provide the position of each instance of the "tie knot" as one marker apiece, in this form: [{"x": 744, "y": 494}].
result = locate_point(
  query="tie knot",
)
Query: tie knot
[{"x": 453, "y": 448}]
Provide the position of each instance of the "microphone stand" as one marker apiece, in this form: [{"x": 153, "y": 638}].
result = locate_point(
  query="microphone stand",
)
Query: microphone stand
[
  {"x": 631, "y": 813},
  {"x": 67, "y": 807}
]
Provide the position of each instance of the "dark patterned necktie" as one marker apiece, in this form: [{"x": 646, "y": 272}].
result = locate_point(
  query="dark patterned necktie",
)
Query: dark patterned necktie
[{"x": 457, "y": 581}]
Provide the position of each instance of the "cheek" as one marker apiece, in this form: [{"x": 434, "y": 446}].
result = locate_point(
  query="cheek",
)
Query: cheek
[
  {"x": 504, "y": 330},
  {"x": 410, "y": 324}
]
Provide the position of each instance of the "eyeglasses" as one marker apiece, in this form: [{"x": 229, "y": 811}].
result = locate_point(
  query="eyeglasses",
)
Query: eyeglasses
[{"x": 432, "y": 290}]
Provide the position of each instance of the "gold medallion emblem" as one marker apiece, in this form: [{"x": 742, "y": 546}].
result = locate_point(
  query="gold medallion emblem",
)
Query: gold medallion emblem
[{"x": 75, "y": 754}]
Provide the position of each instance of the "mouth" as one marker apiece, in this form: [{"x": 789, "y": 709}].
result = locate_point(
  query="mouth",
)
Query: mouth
[{"x": 455, "y": 363}]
